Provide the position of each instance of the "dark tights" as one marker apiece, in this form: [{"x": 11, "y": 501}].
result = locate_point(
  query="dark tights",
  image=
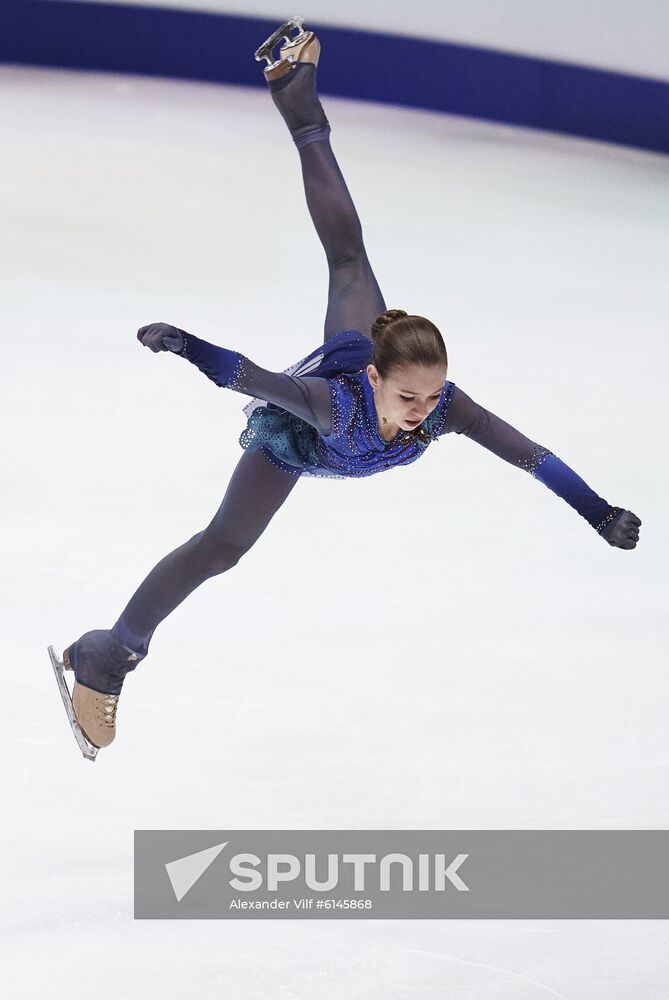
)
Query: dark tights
[{"x": 257, "y": 488}]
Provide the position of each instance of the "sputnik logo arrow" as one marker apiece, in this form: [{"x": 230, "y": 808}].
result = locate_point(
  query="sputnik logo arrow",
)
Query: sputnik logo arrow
[{"x": 184, "y": 872}]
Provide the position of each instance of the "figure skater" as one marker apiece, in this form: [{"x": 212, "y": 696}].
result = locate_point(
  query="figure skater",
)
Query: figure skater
[{"x": 373, "y": 396}]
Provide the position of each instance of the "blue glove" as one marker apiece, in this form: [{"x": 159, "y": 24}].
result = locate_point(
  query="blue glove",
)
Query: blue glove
[
  {"x": 161, "y": 337},
  {"x": 222, "y": 366},
  {"x": 622, "y": 530}
]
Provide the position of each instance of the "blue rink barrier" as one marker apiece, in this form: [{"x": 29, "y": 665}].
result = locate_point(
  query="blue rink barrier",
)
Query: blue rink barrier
[{"x": 392, "y": 69}]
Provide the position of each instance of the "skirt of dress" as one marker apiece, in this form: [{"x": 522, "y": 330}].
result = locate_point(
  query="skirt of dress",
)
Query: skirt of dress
[{"x": 288, "y": 441}]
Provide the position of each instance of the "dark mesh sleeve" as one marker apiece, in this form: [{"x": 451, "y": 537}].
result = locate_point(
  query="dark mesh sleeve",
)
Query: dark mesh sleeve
[
  {"x": 306, "y": 397},
  {"x": 469, "y": 418}
]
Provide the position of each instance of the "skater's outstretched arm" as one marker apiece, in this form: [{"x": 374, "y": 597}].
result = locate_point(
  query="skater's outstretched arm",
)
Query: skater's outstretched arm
[
  {"x": 618, "y": 526},
  {"x": 306, "y": 397}
]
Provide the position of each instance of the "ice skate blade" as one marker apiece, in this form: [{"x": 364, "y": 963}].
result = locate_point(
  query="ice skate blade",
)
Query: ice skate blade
[
  {"x": 265, "y": 50},
  {"x": 89, "y": 751}
]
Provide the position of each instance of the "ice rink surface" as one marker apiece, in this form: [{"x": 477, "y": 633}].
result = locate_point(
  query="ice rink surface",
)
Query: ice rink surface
[{"x": 446, "y": 646}]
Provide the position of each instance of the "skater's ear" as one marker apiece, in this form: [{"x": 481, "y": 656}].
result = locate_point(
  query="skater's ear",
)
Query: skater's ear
[{"x": 373, "y": 376}]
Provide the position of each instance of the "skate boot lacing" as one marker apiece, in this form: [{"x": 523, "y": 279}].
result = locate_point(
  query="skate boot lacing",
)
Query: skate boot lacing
[{"x": 109, "y": 712}]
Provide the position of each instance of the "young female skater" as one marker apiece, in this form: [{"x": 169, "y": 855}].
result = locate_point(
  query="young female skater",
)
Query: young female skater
[{"x": 374, "y": 395}]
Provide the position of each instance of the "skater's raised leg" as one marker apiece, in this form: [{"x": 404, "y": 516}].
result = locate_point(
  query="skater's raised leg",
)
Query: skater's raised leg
[
  {"x": 102, "y": 658},
  {"x": 354, "y": 296}
]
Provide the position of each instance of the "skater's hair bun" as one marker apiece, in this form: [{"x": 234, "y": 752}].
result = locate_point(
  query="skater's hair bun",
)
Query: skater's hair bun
[
  {"x": 384, "y": 319},
  {"x": 401, "y": 339}
]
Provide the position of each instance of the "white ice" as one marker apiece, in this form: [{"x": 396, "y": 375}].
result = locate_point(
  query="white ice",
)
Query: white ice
[{"x": 443, "y": 646}]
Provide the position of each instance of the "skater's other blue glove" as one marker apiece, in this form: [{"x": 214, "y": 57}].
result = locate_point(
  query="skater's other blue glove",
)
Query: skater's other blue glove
[
  {"x": 161, "y": 337},
  {"x": 219, "y": 364},
  {"x": 623, "y": 530}
]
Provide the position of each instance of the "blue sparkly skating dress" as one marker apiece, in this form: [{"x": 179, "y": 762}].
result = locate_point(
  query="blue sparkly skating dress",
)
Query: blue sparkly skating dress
[
  {"x": 354, "y": 446},
  {"x": 318, "y": 418}
]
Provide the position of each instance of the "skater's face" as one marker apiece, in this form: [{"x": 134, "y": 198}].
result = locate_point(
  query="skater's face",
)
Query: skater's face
[{"x": 407, "y": 395}]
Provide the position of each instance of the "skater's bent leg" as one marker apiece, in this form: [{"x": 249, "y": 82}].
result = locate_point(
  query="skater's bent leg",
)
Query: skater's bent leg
[
  {"x": 255, "y": 492},
  {"x": 355, "y": 299}
]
